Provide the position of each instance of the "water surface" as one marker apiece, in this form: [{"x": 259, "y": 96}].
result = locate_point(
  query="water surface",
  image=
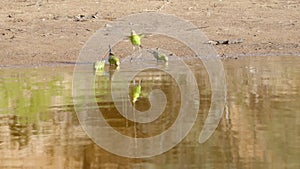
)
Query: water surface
[{"x": 39, "y": 127}]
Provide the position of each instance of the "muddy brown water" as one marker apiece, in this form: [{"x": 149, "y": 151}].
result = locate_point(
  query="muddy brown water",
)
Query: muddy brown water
[{"x": 39, "y": 127}]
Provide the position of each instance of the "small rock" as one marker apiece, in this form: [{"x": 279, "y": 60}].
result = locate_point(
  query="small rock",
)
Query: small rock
[
  {"x": 213, "y": 42},
  {"x": 225, "y": 42},
  {"x": 108, "y": 25}
]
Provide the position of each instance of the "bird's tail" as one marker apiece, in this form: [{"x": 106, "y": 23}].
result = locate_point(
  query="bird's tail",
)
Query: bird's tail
[{"x": 110, "y": 51}]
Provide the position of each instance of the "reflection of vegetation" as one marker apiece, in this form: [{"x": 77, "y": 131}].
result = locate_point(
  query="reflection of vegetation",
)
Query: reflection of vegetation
[
  {"x": 263, "y": 128},
  {"x": 29, "y": 92}
]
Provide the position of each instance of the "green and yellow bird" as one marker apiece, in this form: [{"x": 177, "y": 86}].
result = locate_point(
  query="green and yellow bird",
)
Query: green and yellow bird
[
  {"x": 159, "y": 56},
  {"x": 136, "y": 91},
  {"x": 135, "y": 39},
  {"x": 113, "y": 59},
  {"x": 162, "y": 57}
]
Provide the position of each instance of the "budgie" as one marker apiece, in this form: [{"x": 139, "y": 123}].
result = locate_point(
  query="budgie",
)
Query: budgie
[
  {"x": 159, "y": 56},
  {"x": 112, "y": 58},
  {"x": 135, "y": 39}
]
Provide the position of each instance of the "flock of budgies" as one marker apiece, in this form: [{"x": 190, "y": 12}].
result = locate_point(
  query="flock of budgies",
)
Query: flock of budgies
[{"x": 114, "y": 61}]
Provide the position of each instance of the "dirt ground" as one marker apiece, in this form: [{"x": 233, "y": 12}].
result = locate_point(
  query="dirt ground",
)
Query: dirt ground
[{"x": 37, "y": 32}]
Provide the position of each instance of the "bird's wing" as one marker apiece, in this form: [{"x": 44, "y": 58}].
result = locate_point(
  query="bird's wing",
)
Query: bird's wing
[
  {"x": 154, "y": 53},
  {"x": 126, "y": 38},
  {"x": 141, "y": 35},
  {"x": 145, "y": 35}
]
